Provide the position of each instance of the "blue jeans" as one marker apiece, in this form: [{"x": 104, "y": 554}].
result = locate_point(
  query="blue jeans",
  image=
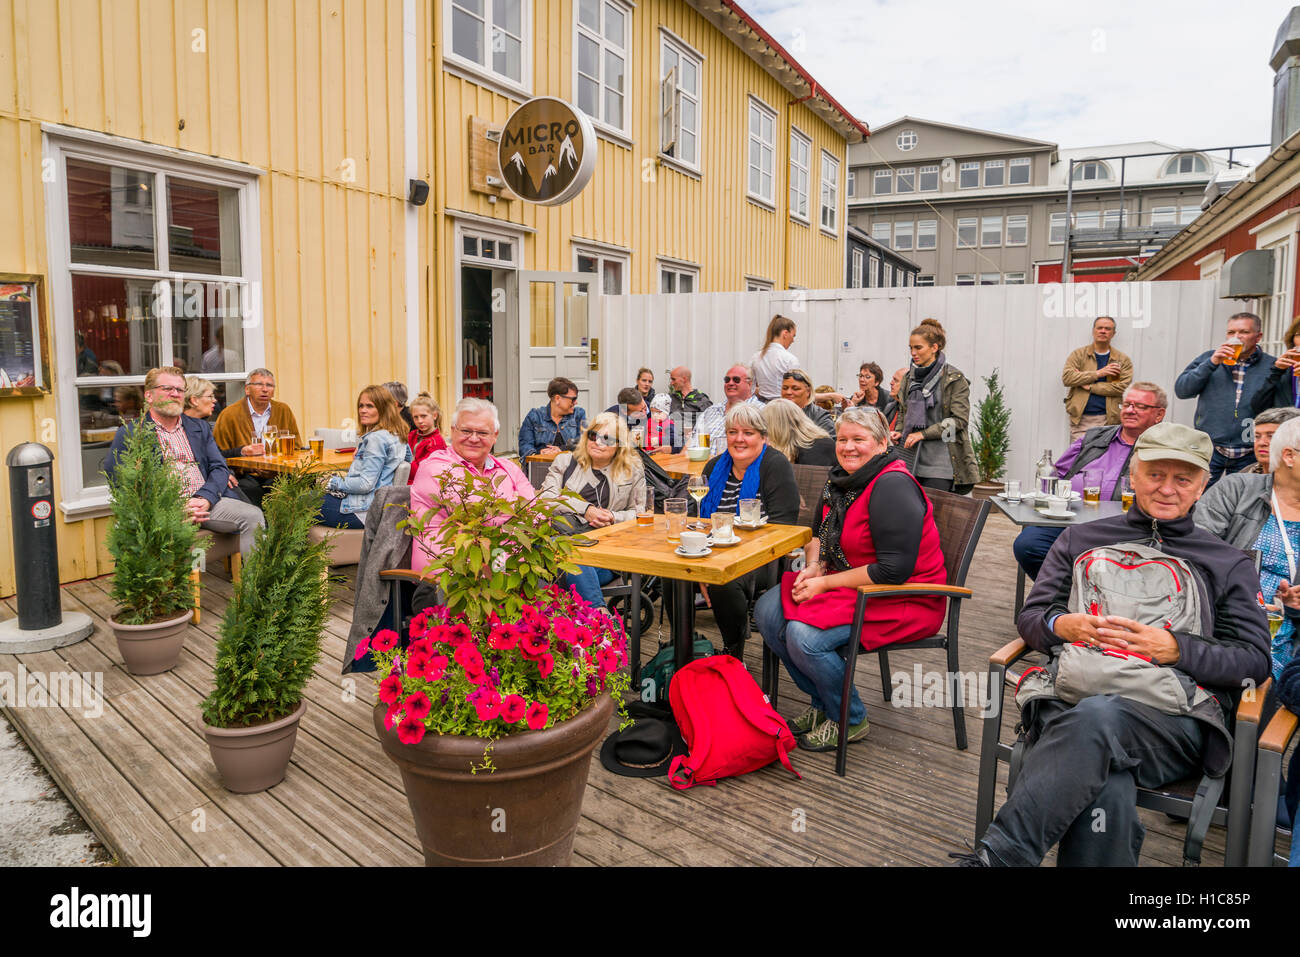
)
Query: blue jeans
[
  {"x": 588, "y": 582},
  {"x": 331, "y": 516},
  {"x": 1219, "y": 466},
  {"x": 810, "y": 655},
  {"x": 1032, "y": 545}
]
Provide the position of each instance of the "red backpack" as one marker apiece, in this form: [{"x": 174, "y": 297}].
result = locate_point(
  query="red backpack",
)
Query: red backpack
[{"x": 727, "y": 723}]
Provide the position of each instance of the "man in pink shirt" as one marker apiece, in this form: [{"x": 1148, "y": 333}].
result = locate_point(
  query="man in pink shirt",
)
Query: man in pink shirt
[{"x": 474, "y": 428}]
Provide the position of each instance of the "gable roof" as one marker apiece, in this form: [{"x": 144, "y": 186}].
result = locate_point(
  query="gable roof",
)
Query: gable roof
[{"x": 962, "y": 129}]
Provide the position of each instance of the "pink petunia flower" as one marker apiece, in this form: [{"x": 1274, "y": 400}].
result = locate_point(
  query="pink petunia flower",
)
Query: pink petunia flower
[
  {"x": 410, "y": 730},
  {"x": 564, "y": 630},
  {"x": 608, "y": 659},
  {"x": 362, "y": 647},
  {"x": 488, "y": 708},
  {"x": 502, "y": 638},
  {"x": 537, "y": 715},
  {"x": 469, "y": 658},
  {"x": 513, "y": 708},
  {"x": 437, "y": 668},
  {"x": 393, "y": 715},
  {"x": 545, "y": 665},
  {"x": 418, "y": 705},
  {"x": 420, "y": 624},
  {"x": 384, "y": 640},
  {"x": 390, "y": 689},
  {"x": 534, "y": 645}
]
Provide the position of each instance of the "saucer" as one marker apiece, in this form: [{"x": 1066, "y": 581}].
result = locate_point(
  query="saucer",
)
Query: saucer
[
  {"x": 678, "y": 551},
  {"x": 719, "y": 543},
  {"x": 1050, "y": 514},
  {"x": 739, "y": 524}
]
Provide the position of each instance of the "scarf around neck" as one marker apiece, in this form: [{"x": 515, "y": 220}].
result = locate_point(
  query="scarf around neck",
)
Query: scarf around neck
[
  {"x": 922, "y": 392},
  {"x": 718, "y": 481},
  {"x": 842, "y": 490}
]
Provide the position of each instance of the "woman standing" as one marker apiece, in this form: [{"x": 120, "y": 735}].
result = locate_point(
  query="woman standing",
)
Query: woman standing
[
  {"x": 605, "y": 472},
  {"x": 645, "y": 383},
  {"x": 934, "y": 415},
  {"x": 791, "y": 433},
  {"x": 1282, "y": 388},
  {"x": 381, "y": 448},
  {"x": 875, "y": 527},
  {"x": 426, "y": 436},
  {"x": 774, "y": 360}
]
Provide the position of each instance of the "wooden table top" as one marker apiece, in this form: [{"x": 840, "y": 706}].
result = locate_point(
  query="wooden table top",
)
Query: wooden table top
[
  {"x": 336, "y": 461},
  {"x": 676, "y": 465},
  {"x": 628, "y": 547}
]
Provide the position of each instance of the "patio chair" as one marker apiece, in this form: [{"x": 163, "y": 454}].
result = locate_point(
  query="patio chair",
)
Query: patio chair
[
  {"x": 1197, "y": 798},
  {"x": 537, "y": 473},
  {"x": 1268, "y": 775},
  {"x": 960, "y": 520},
  {"x": 811, "y": 480},
  {"x": 346, "y": 543}
]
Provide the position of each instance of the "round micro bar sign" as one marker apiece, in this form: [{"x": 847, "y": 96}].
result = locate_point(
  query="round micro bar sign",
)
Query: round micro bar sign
[{"x": 547, "y": 151}]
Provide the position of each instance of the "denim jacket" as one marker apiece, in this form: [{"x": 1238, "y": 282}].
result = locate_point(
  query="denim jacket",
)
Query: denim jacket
[
  {"x": 378, "y": 454},
  {"x": 539, "y": 430}
]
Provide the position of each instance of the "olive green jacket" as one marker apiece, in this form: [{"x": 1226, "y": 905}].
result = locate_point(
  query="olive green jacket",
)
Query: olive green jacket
[{"x": 953, "y": 425}]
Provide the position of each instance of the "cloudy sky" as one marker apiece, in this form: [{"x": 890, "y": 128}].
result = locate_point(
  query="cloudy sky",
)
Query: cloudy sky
[{"x": 1193, "y": 73}]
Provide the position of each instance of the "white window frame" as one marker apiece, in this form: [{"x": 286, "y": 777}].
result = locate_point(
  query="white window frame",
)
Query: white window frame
[
  {"x": 755, "y": 284},
  {"x": 904, "y": 229},
  {"x": 623, "y": 132},
  {"x": 1194, "y": 157},
  {"x": 858, "y": 267},
  {"x": 990, "y": 275},
  {"x": 1087, "y": 219},
  {"x": 677, "y": 269},
  {"x": 1021, "y": 220},
  {"x": 763, "y": 111},
  {"x": 927, "y": 228},
  {"x": 973, "y": 222},
  {"x": 998, "y": 165},
  {"x": 967, "y": 166},
  {"x": 850, "y": 182},
  {"x": 1053, "y": 221},
  {"x": 885, "y": 175},
  {"x": 889, "y": 275},
  {"x": 1183, "y": 219},
  {"x": 925, "y": 281},
  {"x": 906, "y": 140},
  {"x": 1280, "y": 234},
  {"x": 924, "y": 171},
  {"x": 830, "y": 189},
  {"x": 1020, "y": 162},
  {"x": 1168, "y": 216},
  {"x": 521, "y": 87},
  {"x": 1100, "y": 167},
  {"x": 800, "y": 173},
  {"x": 964, "y": 279},
  {"x": 883, "y": 233},
  {"x": 669, "y": 41},
  {"x": 984, "y": 221},
  {"x": 602, "y": 256},
  {"x": 77, "y": 501},
  {"x": 908, "y": 171},
  {"x": 1013, "y": 279}
]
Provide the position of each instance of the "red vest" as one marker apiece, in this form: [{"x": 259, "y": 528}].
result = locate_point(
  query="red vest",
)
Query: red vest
[{"x": 887, "y": 620}]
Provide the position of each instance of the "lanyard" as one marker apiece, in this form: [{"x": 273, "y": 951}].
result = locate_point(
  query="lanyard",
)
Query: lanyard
[{"x": 1286, "y": 540}]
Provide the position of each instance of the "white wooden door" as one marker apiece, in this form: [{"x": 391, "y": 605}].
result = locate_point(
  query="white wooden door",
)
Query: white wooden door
[{"x": 559, "y": 313}]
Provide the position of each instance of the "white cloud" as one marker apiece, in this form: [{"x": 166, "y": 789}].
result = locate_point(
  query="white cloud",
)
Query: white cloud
[{"x": 1192, "y": 73}]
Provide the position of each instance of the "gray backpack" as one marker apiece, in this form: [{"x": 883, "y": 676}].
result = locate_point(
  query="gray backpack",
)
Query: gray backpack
[{"x": 1139, "y": 582}]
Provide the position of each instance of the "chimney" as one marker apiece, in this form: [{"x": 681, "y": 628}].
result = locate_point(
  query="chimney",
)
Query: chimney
[{"x": 1285, "y": 62}]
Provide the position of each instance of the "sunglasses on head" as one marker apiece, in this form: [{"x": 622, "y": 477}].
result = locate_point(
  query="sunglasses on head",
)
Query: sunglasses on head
[
  {"x": 797, "y": 378},
  {"x": 608, "y": 441}
]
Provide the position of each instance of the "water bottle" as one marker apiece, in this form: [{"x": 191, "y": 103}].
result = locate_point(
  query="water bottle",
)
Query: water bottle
[{"x": 1046, "y": 472}]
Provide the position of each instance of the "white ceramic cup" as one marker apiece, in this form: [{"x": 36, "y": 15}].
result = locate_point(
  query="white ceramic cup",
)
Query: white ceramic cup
[
  {"x": 693, "y": 543},
  {"x": 1057, "y": 505}
]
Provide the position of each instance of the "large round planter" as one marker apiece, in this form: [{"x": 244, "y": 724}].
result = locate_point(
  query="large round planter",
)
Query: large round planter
[
  {"x": 151, "y": 649},
  {"x": 523, "y": 813},
  {"x": 255, "y": 758},
  {"x": 983, "y": 490}
]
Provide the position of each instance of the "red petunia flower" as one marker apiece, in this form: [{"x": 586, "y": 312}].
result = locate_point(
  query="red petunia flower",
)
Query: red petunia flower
[
  {"x": 417, "y": 666},
  {"x": 608, "y": 659},
  {"x": 537, "y": 715},
  {"x": 469, "y": 658},
  {"x": 564, "y": 630},
  {"x": 421, "y": 646},
  {"x": 410, "y": 730},
  {"x": 420, "y": 624},
  {"x": 459, "y": 634},
  {"x": 488, "y": 708},
  {"x": 362, "y": 647},
  {"x": 418, "y": 705},
  {"x": 534, "y": 645},
  {"x": 584, "y": 637},
  {"x": 513, "y": 708},
  {"x": 545, "y": 665},
  {"x": 385, "y": 640},
  {"x": 502, "y": 638},
  {"x": 390, "y": 689},
  {"x": 437, "y": 668},
  {"x": 393, "y": 715}
]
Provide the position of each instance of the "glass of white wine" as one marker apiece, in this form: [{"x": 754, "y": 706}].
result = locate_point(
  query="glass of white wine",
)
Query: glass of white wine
[
  {"x": 697, "y": 486},
  {"x": 268, "y": 437}
]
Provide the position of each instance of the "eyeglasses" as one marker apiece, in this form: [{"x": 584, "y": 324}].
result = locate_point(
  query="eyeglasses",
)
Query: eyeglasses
[
  {"x": 1137, "y": 406},
  {"x": 169, "y": 389},
  {"x": 733, "y": 378},
  {"x": 472, "y": 433},
  {"x": 798, "y": 378},
  {"x": 609, "y": 441}
]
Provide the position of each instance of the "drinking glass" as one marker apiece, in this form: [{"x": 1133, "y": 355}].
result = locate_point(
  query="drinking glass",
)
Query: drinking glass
[
  {"x": 1275, "y": 619},
  {"x": 288, "y": 443},
  {"x": 675, "y": 512},
  {"x": 1063, "y": 488},
  {"x": 702, "y": 439},
  {"x": 1232, "y": 358},
  {"x": 697, "y": 486},
  {"x": 751, "y": 511},
  {"x": 268, "y": 437},
  {"x": 1013, "y": 492},
  {"x": 1092, "y": 486},
  {"x": 1126, "y": 492},
  {"x": 318, "y": 449},
  {"x": 645, "y": 510},
  {"x": 722, "y": 522}
]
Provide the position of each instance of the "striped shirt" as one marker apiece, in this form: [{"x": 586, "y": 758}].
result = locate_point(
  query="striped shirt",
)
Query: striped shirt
[
  {"x": 730, "y": 501},
  {"x": 176, "y": 449}
]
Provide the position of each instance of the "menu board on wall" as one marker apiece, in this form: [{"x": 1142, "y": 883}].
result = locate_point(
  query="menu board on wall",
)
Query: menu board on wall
[{"x": 22, "y": 352}]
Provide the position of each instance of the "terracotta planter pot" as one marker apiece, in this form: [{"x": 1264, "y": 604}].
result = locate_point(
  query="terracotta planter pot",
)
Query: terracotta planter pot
[
  {"x": 985, "y": 490},
  {"x": 253, "y": 759},
  {"x": 151, "y": 649},
  {"x": 523, "y": 813}
]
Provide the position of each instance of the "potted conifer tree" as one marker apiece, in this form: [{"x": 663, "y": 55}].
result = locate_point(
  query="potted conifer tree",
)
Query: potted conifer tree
[
  {"x": 154, "y": 546},
  {"x": 991, "y": 438},
  {"x": 269, "y": 641}
]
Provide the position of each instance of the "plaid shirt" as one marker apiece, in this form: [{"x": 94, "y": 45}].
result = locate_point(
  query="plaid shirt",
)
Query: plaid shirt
[
  {"x": 176, "y": 449},
  {"x": 1239, "y": 380}
]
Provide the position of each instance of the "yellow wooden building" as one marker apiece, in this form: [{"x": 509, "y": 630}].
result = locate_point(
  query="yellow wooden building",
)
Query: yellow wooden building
[{"x": 228, "y": 184}]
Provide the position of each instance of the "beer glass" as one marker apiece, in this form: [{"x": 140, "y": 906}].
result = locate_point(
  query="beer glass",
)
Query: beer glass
[
  {"x": 1092, "y": 486},
  {"x": 645, "y": 510},
  {"x": 288, "y": 443},
  {"x": 1126, "y": 492},
  {"x": 675, "y": 512},
  {"x": 1236, "y": 351},
  {"x": 318, "y": 449}
]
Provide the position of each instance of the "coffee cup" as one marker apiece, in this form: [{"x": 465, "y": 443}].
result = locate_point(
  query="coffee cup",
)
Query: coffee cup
[
  {"x": 1056, "y": 505},
  {"x": 694, "y": 543}
]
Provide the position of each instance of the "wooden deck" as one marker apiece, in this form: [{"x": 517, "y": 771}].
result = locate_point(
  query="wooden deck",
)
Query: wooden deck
[{"x": 141, "y": 775}]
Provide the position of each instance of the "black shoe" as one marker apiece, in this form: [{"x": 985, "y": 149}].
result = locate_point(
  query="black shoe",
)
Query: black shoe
[{"x": 977, "y": 858}]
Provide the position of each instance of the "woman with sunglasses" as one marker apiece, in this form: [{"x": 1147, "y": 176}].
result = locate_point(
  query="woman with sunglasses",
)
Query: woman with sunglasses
[{"x": 600, "y": 482}]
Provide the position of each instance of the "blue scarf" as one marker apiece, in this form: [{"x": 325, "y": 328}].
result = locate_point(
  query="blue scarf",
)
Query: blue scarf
[{"x": 718, "y": 481}]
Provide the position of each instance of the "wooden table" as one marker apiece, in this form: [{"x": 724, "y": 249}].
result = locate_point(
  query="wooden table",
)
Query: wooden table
[
  {"x": 677, "y": 465},
  {"x": 644, "y": 550},
  {"x": 333, "y": 460},
  {"x": 1025, "y": 515}
]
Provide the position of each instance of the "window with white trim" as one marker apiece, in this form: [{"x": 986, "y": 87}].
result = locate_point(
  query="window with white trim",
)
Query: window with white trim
[
  {"x": 600, "y": 63},
  {"x": 612, "y": 269},
  {"x": 1018, "y": 171},
  {"x": 152, "y": 262},
  {"x": 884, "y": 179},
  {"x": 991, "y": 231},
  {"x": 925, "y": 280},
  {"x": 830, "y": 193},
  {"x": 994, "y": 172},
  {"x": 757, "y": 285},
  {"x": 851, "y": 183},
  {"x": 907, "y": 179},
  {"x": 762, "y": 151},
  {"x": 1014, "y": 279},
  {"x": 903, "y": 236},
  {"x": 1186, "y": 163},
  {"x": 929, "y": 180},
  {"x": 965, "y": 279},
  {"x": 889, "y": 275},
  {"x": 967, "y": 230},
  {"x": 800, "y": 158},
  {"x": 855, "y": 281},
  {"x": 1114, "y": 218},
  {"x": 927, "y": 234},
  {"x": 492, "y": 36},
  {"x": 679, "y": 102},
  {"x": 1164, "y": 216},
  {"x": 1091, "y": 219},
  {"x": 1056, "y": 229},
  {"x": 1093, "y": 169},
  {"x": 990, "y": 279},
  {"x": 969, "y": 175},
  {"x": 1187, "y": 213},
  {"x": 882, "y": 233},
  {"x": 874, "y": 270},
  {"x": 674, "y": 277},
  {"x": 1017, "y": 230}
]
